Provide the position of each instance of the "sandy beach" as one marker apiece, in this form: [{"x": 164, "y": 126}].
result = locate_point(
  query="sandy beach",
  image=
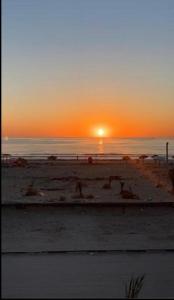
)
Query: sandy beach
[
  {"x": 57, "y": 182},
  {"x": 58, "y": 221}
]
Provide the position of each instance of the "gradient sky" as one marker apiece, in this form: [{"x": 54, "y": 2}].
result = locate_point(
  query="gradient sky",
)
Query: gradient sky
[{"x": 69, "y": 66}]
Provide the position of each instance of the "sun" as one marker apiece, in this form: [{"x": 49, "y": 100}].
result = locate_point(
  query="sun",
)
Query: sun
[{"x": 101, "y": 132}]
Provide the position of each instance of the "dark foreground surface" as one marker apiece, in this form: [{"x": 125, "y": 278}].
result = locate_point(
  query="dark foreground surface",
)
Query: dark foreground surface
[
  {"x": 47, "y": 228},
  {"x": 88, "y": 275},
  {"x": 86, "y": 252}
]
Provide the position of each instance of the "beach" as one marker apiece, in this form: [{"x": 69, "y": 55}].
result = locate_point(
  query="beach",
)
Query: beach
[
  {"x": 87, "y": 144},
  {"x": 58, "y": 221},
  {"x": 56, "y": 181}
]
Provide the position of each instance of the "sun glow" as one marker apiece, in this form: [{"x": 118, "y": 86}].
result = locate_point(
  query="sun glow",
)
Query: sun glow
[{"x": 101, "y": 132}]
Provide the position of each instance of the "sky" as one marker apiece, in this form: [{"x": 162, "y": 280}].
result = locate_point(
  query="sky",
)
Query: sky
[{"x": 70, "y": 67}]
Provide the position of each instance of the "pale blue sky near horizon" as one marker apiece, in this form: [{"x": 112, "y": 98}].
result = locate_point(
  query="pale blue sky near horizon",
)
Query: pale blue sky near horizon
[{"x": 55, "y": 45}]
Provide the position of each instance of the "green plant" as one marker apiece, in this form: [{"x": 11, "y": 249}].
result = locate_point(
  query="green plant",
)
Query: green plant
[{"x": 134, "y": 286}]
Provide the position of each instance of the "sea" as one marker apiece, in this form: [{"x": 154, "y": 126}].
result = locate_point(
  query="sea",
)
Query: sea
[{"x": 64, "y": 147}]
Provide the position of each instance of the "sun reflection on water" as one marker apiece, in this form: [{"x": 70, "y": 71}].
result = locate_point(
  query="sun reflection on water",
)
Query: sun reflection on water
[{"x": 100, "y": 146}]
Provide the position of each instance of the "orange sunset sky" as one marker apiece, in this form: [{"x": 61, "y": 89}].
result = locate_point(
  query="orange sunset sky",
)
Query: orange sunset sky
[{"x": 70, "y": 69}]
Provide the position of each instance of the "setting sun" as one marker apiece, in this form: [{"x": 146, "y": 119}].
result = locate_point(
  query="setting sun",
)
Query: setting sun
[
  {"x": 101, "y": 132},
  {"x": 87, "y": 96}
]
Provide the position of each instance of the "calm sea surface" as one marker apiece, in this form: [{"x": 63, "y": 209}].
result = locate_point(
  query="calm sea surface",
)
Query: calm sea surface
[{"x": 47, "y": 146}]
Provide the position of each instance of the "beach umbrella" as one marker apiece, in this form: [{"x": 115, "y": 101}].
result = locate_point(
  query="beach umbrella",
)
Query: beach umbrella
[
  {"x": 52, "y": 157},
  {"x": 6, "y": 156},
  {"x": 90, "y": 160}
]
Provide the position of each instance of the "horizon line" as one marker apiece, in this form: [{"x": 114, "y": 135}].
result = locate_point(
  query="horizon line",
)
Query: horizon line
[{"x": 79, "y": 137}]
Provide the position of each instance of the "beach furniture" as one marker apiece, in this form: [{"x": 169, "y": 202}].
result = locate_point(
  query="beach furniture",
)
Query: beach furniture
[
  {"x": 20, "y": 162},
  {"x": 126, "y": 158},
  {"x": 5, "y": 159},
  {"x": 90, "y": 160},
  {"x": 158, "y": 159},
  {"x": 127, "y": 194},
  {"x": 52, "y": 157},
  {"x": 79, "y": 188},
  {"x": 143, "y": 157}
]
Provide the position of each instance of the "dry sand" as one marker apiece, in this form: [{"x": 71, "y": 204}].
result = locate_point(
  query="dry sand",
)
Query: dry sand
[
  {"x": 57, "y": 182},
  {"x": 39, "y": 229},
  {"x": 48, "y": 228},
  {"x": 79, "y": 230}
]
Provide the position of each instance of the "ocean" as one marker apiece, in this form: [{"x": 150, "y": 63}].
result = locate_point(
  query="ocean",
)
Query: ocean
[{"x": 42, "y": 147}]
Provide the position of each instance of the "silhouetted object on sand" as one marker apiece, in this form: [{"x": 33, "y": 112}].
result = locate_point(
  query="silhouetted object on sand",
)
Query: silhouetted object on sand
[
  {"x": 127, "y": 194},
  {"x": 6, "y": 156},
  {"x": 79, "y": 188},
  {"x": 89, "y": 196},
  {"x": 171, "y": 176},
  {"x": 90, "y": 160},
  {"x": 5, "y": 159},
  {"x": 31, "y": 191},
  {"x": 155, "y": 157},
  {"x": 143, "y": 157},
  {"x": 52, "y": 157},
  {"x": 167, "y": 152},
  {"x": 159, "y": 181},
  {"x": 134, "y": 286},
  {"x": 159, "y": 159},
  {"x": 115, "y": 177},
  {"x": 108, "y": 185},
  {"x": 62, "y": 198},
  {"x": 159, "y": 184},
  {"x": 111, "y": 178},
  {"x": 126, "y": 158},
  {"x": 20, "y": 162}
]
